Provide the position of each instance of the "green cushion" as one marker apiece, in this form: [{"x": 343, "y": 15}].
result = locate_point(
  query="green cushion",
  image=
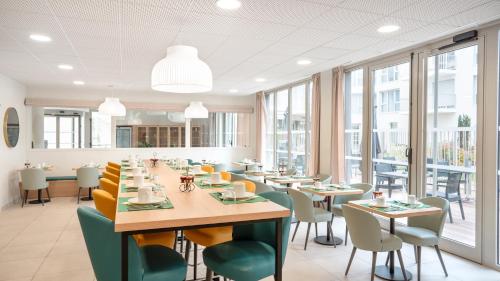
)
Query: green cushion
[
  {"x": 390, "y": 242},
  {"x": 417, "y": 236},
  {"x": 241, "y": 260},
  {"x": 62, "y": 178},
  {"x": 161, "y": 263}
]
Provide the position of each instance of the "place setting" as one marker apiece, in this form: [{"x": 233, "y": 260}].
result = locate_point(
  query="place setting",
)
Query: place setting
[
  {"x": 214, "y": 181},
  {"x": 149, "y": 197},
  {"x": 381, "y": 203},
  {"x": 237, "y": 194}
]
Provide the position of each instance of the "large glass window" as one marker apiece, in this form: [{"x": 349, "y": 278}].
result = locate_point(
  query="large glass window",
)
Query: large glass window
[
  {"x": 221, "y": 129},
  {"x": 288, "y": 127},
  {"x": 353, "y": 125},
  {"x": 61, "y": 131},
  {"x": 100, "y": 130}
]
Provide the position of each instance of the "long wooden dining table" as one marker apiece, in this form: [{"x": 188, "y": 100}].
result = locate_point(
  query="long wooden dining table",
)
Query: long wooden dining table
[{"x": 195, "y": 209}]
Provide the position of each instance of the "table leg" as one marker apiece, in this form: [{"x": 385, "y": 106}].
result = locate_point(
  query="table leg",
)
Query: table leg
[
  {"x": 39, "y": 199},
  {"x": 278, "y": 276},
  {"x": 392, "y": 272},
  {"x": 89, "y": 197},
  {"x": 326, "y": 240},
  {"x": 124, "y": 261}
]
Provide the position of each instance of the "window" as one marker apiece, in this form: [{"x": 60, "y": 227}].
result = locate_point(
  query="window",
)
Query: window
[
  {"x": 389, "y": 74},
  {"x": 221, "y": 129},
  {"x": 353, "y": 103},
  {"x": 389, "y": 100},
  {"x": 61, "y": 131},
  {"x": 288, "y": 128},
  {"x": 100, "y": 130}
]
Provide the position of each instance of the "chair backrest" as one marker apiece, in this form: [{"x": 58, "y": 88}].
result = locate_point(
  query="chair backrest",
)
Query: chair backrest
[
  {"x": 291, "y": 172},
  {"x": 365, "y": 230},
  {"x": 383, "y": 167},
  {"x": 432, "y": 222},
  {"x": 249, "y": 185},
  {"x": 105, "y": 203},
  {"x": 265, "y": 231},
  {"x": 453, "y": 182},
  {"x": 33, "y": 179},
  {"x": 367, "y": 194},
  {"x": 303, "y": 205},
  {"x": 195, "y": 163},
  {"x": 115, "y": 165},
  {"x": 87, "y": 177},
  {"x": 325, "y": 179},
  {"x": 219, "y": 167},
  {"x": 104, "y": 247},
  {"x": 261, "y": 187},
  {"x": 208, "y": 168},
  {"x": 111, "y": 177},
  {"x": 225, "y": 175},
  {"x": 237, "y": 177},
  {"x": 190, "y": 161},
  {"x": 109, "y": 186},
  {"x": 113, "y": 171}
]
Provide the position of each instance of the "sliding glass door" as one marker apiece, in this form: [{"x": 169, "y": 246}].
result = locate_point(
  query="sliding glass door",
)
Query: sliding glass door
[
  {"x": 353, "y": 125},
  {"x": 390, "y": 119}
]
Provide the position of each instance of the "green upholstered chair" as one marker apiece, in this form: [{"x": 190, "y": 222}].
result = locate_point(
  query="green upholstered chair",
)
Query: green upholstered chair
[
  {"x": 425, "y": 230},
  {"x": 250, "y": 255},
  {"x": 306, "y": 212},
  {"x": 34, "y": 179},
  {"x": 261, "y": 187},
  {"x": 366, "y": 234},
  {"x": 148, "y": 263},
  {"x": 238, "y": 177},
  {"x": 87, "y": 177},
  {"x": 318, "y": 199},
  {"x": 342, "y": 199}
]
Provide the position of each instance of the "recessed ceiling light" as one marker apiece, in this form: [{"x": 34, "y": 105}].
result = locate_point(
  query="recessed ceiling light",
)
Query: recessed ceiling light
[
  {"x": 233, "y": 90},
  {"x": 260, "y": 79},
  {"x": 40, "y": 38},
  {"x": 304, "y": 62},
  {"x": 65, "y": 67},
  {"x": 388, "y": 28},
  {"x": 78, "y": 82},
  {"x": 228, "y": 4}
]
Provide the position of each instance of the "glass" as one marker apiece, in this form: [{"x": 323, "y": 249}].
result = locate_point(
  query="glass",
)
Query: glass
[
  {"x": 269, "y": 161},
  {"x": 298, "y": 128},
  {"x": 353, "y": 125},
  {"x": 451, "y": 138},
  {"x": 101, "y": 130},
  {"x": 50, "y": 131},
  {"x": 282, "y": 123},
  {"x": 390, "y": 129},
  {"x": 221, "y": 129}
]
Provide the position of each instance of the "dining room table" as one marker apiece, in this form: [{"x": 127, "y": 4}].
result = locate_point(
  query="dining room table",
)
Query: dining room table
[
  {"x": 199, "y": 208},
  {"x": 289, "y": 180},
  {"x": 246, "y": 164},
  {"x": 329, "y": 191},
  {"x": 396, "y": 209}
]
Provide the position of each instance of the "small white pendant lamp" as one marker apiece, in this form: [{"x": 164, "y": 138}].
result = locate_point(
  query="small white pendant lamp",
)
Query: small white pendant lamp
[
  {"x": 181, "y": 71},
  {"x": 196, "y": 110},
  {"x": 112, "y": 107}
]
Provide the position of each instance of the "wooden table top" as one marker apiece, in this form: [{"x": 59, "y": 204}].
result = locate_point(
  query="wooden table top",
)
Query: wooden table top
[
  {"x": 246, "y": 163},
  {"x": 191, "y": 208},
  {"x": 346, "y": 191},
  {"x": 258, "y": 173},
  {"x": 395, "y": 214},
  {"x": 289, "y": 179}
]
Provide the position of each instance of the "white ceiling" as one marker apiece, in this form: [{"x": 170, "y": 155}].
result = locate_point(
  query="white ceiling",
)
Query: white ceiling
[{"x": 118, "y": 41}]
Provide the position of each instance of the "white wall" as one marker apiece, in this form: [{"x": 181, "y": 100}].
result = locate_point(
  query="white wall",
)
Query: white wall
[
  {"x": 326, "y": 123},
  {"x": 12, "y": 94},
  {"x": 65, "y": 160}
]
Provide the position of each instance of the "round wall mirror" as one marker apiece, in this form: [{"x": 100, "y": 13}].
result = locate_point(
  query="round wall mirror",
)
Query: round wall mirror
[{"x": 11, "y": 127}]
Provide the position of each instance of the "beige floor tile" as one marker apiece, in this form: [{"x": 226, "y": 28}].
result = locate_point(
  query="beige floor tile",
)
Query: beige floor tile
[
  {"x": 53, "y": 265},
  {"x": 79, "y": 275},
  {"x": 11, "y": 270},
  {"x": 35, "y": 238},
  {"x": 24, "y": 252}
]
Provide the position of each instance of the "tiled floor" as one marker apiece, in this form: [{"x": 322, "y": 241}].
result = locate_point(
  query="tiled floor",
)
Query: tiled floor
[{"x": 45, "y": 243}]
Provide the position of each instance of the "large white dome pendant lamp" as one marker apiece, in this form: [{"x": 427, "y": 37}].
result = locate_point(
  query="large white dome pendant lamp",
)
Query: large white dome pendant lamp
[
  {"x": 196, "y": 110},
  {"x": 112, "y": 107},
  {"x": 181, "y": 71}
]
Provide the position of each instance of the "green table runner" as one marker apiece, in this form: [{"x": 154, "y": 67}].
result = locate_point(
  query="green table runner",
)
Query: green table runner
[
  {"x": 201, "y": 185},
  {"x": 218, "y": 197},
  {"x": 125, "y": 188},
  {"x": 326, "y": 187},
  {"x": 127, "y": 208}
]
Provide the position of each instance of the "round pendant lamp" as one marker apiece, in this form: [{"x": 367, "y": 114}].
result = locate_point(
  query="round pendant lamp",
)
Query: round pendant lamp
[
  {"x": 196, "y": 110},
  {"x": 181, "y": 71},
  {"x": 112, "y": 107}
]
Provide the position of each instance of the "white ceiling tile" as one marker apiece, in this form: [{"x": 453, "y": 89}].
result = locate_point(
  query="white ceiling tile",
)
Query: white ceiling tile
[
  {"x": 310, "y": 37},
  {"x": 342, "y": 20},
  {"x": 353, "y": 42},
  {"x": 96, "y": 10},
  {"x": 478, "y": 15},
  {"x": 325, "y": 2},
  {"x": 325, "y": 53},
  {"x": 426, "y": 32},
  {"x": 153, "y": 16},
  {"x": 384, "y": 7},
  {"x": 287, "y": 49},
  {"x": 26, "y": 6},
  {"x": 248, "y": 29},
  {"x": 183, "y": 5},
  {"x": 405, "y": 25}
]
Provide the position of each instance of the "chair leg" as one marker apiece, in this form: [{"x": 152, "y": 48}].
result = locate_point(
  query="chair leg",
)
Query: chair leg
[
  {"x": 350, "y": 260},
  {"x": 48, "y": 194},
  {"x": 374, "y": 263},
  {"x": 209, "y": 275},
  {"x": 449, "y": 213},
  {"x": 188, "y": 249},
  {"x": 296, "y": 228},
  {"x": 307, "y": 235},
  {"x": 175, "y": 240},
  {"x": 23, "y": 200},
  {"x": 461, "y": 208},
  {"x": 329, "y": 225},
  {"x": 415, "y": 252},
  {"x": 345, "y": 238},
  {"x": 182, "y": 241},
  {"x": 438, "y": 251},
  {"x": 78, "y": 198},
  {"x": 195, "y": 261},
  {"x": 40, "y": 196},
  {"x": 419, "y": 262},
  {"x": 390, "y": 192},
  {"x": 316, "y": 228},
  {"x": 400, "y": 257},
  {"x": 387, "y": 259}
]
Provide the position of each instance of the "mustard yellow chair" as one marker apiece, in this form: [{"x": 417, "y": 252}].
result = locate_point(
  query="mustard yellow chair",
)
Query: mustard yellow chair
[
  {"x": 208, "y": 168},
  {"x": 112, "y": 177},
  {"x": 112, "y": 170},
  {"x": 206, "y": 237},
  {"x": 250, "y": 186},
  {"x": 109, "y": 186},
  {"x": 225, "y": 175},
  {"x": 115, "y": 165},
  {"x": 105, "y": 203}
]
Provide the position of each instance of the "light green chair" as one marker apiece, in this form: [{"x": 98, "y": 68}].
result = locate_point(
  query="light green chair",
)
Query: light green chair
[
  {"x": 318, "y": 199},
  {"x": 366, "y": 234},
  {"x": 306, "y": 212},
  {"x": 426, "y": 230},
  {"x": 219, "y": 167},
  {"x": 148, "y": 263},
  {"x": 87, "y": 177},
  {"x": 33, "y": 179},
  {"x": 338, "y": 201}
]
